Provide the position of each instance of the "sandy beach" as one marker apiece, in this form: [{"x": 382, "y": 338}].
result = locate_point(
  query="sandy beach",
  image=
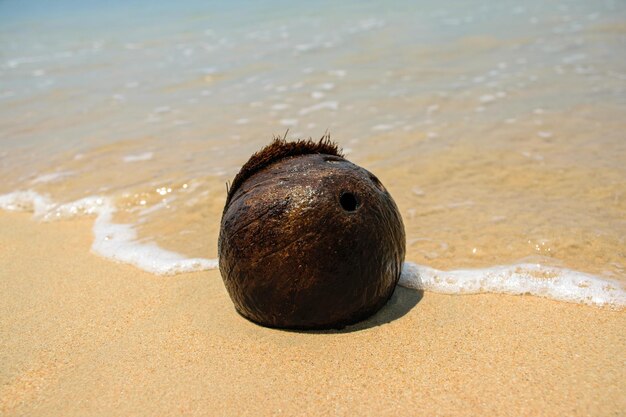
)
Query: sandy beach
[
  {"x": 497, "y": 128},
  {"x": 81, "y": 336}
]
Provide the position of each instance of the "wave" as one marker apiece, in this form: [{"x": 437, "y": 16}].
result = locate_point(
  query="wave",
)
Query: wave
[
  {"x": 539, "y": 280},
  {"x": 118, "y": 242},
  {"x": 115, "y": 241}
]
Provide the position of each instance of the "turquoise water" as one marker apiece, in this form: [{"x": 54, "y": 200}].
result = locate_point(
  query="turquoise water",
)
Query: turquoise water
[{"x": 108, "y": 68}]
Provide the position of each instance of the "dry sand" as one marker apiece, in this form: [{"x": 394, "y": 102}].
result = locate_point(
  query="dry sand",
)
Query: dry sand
[{"x": 83, "y": 336}]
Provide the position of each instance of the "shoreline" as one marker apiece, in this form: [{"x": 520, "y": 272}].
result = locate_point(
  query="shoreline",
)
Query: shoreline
[
  {"x": 120, "y": 243},
  {"x": 85, "y": 336}
]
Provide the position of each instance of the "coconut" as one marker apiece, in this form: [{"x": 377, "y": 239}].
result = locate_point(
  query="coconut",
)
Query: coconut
[{"x": 309, "y": 240}]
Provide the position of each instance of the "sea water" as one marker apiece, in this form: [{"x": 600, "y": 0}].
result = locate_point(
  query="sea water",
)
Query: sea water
[{"x": 498, "y": 127}]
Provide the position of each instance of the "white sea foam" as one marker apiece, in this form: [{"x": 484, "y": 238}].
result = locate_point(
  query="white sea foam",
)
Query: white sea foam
[
  {"x": 52, "y": 177},
  {"x": 28, "y": 201},
  {"x": 486, "y": 98},
  {"x": 382, "y": 127},
  {"x": 329, "y": 105},
  {"x": 119, "y": 242},
  {"x": 145, "y": 156},
  {"x": 280, "y": 106},
  {"x": 288, "y": 122},
  {"x": 538, "y": 280},
  {"x": 114, "y": 241}
]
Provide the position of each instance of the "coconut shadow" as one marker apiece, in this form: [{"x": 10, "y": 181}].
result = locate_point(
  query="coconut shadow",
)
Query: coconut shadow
[{"x": 401, "y": 302}]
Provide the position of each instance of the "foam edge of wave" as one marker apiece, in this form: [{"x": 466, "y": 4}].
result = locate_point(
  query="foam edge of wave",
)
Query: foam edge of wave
[
  {"x": 518, "y": 279},
  {"x": 114, "y": 241},
  {"x": 118, "y": 242}
]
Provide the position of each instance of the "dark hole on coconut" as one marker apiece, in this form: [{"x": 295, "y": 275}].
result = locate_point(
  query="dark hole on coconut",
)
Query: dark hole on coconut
[{"x": 348, "y": 201}]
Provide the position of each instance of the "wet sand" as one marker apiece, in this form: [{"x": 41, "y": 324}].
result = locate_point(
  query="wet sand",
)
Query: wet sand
[{"x": 81, "y": 335}]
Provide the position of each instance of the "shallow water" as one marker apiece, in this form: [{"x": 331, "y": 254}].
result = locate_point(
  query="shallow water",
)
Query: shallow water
[{"x": 498, "y": 127}]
